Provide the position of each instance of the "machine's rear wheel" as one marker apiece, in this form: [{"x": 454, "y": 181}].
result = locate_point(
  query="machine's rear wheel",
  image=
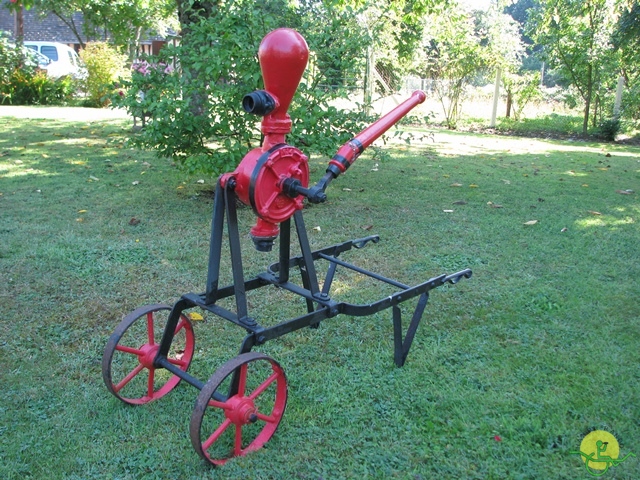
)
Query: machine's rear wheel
[
  {"x": 239, "y": 408},
  {"x": 127, "y": 363}
]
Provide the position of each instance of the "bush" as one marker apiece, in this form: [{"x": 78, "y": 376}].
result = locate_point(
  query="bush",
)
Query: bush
[
  {"x": 105, "y": 64},
  {"x": 36, "y": 88},
  {"x": 610, "y": 128},
  {"x": 194, "y": 111},
  {"x": 22, "y": 83}
]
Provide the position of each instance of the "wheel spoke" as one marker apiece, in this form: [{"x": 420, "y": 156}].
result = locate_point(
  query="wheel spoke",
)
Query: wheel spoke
[
  {"x": 134, "y": 351},
  {"x": 128, "y": 378},
  {"x": 242, "y": 383},
  {"x": 180, "y": 326},
  {"x": 263, "y": 386},
  {"x": 175, "y": 361},
  {"x": 215, "y": 435},
  {"x": 150, "y": 332},
  {"x": 151, "y": 382},
  {"x": 237, "y": 447},
  {"x": 221, "y": 405},
  {"x": 266, "y": 418}
]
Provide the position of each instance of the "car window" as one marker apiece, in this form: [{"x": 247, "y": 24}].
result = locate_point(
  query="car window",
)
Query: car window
[
  {"x": 32, "y": 47},
  {"x": 71, "y": 59},
  {"x": 50, "y": 51}
]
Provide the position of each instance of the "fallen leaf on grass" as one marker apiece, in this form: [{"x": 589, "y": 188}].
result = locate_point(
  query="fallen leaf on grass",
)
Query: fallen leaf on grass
[
  {"x": 497, "y": 438},
  {"x": 625, "y": 192},
  {"x": 593, "y": 212},
  {"x": 564, "y": 229},
  {"x": 367, "y": 227},
  {"x": 346, "y": 189},
  {"x": 195, "y": 317},
  {"x": 473, "y": 185},
  {"x": 135, "y": 183},
  {"x": 82, "y": 211},
  {"x": 494, "y": 205},
  {"x": 95, "y": 179},
  {"x": 317, "y": 229},
  {"x": 530, "y": 222},
  {"x": 506, "y": 182},
  {"x": 134, "y": 221},
  {"x": 455, "y": 185},
  {"x": 585, "y": 184},
  {"x": 200, "y": 181},
  {"x": 460, "y": 202}
]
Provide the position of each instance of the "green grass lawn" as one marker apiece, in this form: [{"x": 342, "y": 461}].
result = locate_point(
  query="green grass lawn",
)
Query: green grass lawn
[{"x": 508, "y": 372}]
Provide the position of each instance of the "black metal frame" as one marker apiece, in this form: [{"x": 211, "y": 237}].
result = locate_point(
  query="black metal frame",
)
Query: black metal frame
[{"x": 319, "y": 304}]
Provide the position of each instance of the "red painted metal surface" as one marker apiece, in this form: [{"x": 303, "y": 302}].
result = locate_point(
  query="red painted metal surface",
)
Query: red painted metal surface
[
  {"x": 352, "y": 149},
  {"x": 283, "y": 56}
]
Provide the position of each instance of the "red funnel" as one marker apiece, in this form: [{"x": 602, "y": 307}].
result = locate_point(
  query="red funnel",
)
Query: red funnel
[{"x": 283, "y": 56}]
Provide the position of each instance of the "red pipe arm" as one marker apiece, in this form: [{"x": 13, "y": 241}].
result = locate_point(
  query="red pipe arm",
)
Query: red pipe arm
[{"x": 349, "y": 152}]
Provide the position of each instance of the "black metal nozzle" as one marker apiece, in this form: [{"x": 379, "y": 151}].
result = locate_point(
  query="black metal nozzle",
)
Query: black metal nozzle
[
  {"x": 263, "y": 244},
  {"x": 292, "y": 187},
  {"x": 259, "y": 102}
]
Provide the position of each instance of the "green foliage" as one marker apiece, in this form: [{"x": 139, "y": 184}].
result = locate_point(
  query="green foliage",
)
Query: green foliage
[
  {"x": 22, "y": 83},
  {"x": 451, "y": 56},
  {"x": 626, "y": 42},
  {"x": 104, "y": 65},
  {"x": 610, "y": 128},
  {"x": 576, "y": 39},
  {"x": 39, "y": 89},
  {"x": 195, "y": 110},
  {"x": 523, "y": 90},
  {"x": 126, "y": 21}
]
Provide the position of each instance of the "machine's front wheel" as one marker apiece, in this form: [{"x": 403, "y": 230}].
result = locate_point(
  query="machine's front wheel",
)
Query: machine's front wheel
[
  {"x": 239, "y": 408},
  {"x": 127, "y": 363}
]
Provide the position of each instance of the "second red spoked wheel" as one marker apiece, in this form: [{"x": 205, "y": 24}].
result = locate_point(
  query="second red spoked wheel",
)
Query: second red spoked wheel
[
  {"x": 127, "y": 363},
  {"x": 239, "y": 408}
]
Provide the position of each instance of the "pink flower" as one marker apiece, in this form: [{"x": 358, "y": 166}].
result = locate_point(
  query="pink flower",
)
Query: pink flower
[{"x": 497, "y": 438}]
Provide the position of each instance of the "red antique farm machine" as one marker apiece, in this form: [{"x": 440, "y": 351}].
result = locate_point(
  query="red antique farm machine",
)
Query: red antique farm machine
[{"x": 239, "y": 408}]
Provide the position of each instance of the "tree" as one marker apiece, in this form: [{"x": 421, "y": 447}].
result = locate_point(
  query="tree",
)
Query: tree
[
  {"x": 195, "y": 109},
  {"x": 575, "y": 37},
  {"x": 122, "y": 22},
  {"x": 18, "y": 6},
  {"x": 461, "y": 46},
  {"x": 626, "y": 43},
  {"x": 451, "y": 56}
]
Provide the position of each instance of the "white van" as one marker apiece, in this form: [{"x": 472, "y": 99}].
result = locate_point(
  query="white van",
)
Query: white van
[{"x": 64, "y": 59}]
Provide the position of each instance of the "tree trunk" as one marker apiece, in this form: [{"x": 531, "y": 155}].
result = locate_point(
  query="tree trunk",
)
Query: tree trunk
[
  {"x": 189, "y": 13},
  {"x": 19, "y": 24},
  {"x": 587, "y": 101},
  {"x": 509, "y": 102}
]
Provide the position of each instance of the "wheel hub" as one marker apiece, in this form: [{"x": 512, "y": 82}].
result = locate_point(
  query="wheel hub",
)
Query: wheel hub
[
  {"x": 148, "y": 355},
  {"x": 243, "y": 410}
]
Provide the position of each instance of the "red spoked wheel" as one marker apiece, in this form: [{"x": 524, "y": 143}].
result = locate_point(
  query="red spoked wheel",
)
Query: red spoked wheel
[
  {"x": 239, "y": 408},
  {"x": 127, "y": 363}
]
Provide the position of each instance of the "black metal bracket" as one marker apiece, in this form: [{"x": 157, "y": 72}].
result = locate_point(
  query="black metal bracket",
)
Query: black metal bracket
[{"x": 320, "y": 305}]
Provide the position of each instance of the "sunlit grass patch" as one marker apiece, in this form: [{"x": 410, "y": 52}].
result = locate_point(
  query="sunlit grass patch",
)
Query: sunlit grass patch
[{"x": 537, "y": 349}]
